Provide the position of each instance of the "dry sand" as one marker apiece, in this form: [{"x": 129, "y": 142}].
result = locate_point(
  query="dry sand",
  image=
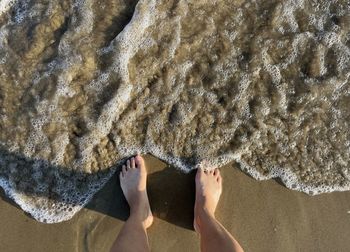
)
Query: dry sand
[{"x": 263, "y": 216}]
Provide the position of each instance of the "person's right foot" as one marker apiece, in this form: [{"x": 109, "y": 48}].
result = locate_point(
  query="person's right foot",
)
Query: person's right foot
[{"x": 208, "y": 191}]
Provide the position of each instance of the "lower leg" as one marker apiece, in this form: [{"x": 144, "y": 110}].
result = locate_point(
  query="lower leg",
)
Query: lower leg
[
  {"x": 133, "y": 236},
  {"x": 213, "y": 235}
]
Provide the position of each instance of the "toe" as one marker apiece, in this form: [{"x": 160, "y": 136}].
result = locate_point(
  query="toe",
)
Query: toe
[
  {"x": 132, "y": 162},
  {"x": 124, "y": 170},
  {"x": 139, "y": 160},
  {"x": 200, "y": 173},
  {"x": 121, "y": 175},
  {"x": 128, "y": 164},
  {"x": 140, "y": 163}
]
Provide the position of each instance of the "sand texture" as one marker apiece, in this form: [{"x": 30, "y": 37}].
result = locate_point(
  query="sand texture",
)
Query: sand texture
[
  {"x": 84, "y": 84},
  {"x": 263, "y": 216}
]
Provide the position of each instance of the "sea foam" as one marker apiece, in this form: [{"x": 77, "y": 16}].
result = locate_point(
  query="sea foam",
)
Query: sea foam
[{"x": 85, "y": 85}]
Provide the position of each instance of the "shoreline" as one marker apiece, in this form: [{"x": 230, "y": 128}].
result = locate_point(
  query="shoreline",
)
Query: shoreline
[{"x": 262, "y": 215}]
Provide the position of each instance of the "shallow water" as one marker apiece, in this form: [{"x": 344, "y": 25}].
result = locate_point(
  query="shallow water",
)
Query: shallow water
[{"x": 85, "y": 84}]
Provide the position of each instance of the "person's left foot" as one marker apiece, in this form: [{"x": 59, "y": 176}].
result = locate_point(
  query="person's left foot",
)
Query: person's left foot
[{"x": 133, "y": 178}]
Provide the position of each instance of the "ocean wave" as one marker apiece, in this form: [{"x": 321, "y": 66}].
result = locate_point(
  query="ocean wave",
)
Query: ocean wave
[{"x": 264, "y": 84}]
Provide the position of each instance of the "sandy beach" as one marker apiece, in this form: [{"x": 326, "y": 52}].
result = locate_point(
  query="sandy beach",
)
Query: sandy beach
[
  {"x": 263, "y": 216},
  {"x": 258, "y": 88}
]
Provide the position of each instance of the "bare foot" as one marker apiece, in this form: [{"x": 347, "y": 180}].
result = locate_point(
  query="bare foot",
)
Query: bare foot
[
  {"x": 208, "y": 191},
  {"x": 133, "y": 178}
]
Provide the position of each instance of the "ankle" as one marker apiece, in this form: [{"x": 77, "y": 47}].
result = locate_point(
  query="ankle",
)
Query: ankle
[
  {"x": 140, "y": 219},
  {"x": 140, "y": 212},
  {"x": 136, "y": 221},
  {"x": 202, "y": 218},
  {"x": 202, "y": 213}
]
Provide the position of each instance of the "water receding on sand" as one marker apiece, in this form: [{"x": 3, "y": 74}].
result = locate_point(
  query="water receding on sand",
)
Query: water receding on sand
[{"x": 84, "y": 84}]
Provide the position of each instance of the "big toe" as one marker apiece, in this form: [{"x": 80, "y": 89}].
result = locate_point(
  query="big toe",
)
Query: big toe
[
  {"x": 139, "y": 161},
  {"x": 200, "y": 173}
]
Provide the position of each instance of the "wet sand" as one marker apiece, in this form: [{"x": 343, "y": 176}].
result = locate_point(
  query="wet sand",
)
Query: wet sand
[{"x": 263, "y": 216}]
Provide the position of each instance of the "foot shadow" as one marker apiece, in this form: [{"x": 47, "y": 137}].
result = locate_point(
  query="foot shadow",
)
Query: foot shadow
[
  {"x": 171, "y": 194},
  {"x": 110, "y": 200}
]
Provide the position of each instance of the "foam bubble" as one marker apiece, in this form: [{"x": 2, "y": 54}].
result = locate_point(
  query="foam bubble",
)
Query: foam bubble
[{"x": 180, "y": 82}]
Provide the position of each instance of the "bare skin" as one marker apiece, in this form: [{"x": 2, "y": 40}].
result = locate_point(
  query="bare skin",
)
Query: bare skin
[
  {"x": 133, "y": 236},
  {"x": 213, "y": 235}
]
